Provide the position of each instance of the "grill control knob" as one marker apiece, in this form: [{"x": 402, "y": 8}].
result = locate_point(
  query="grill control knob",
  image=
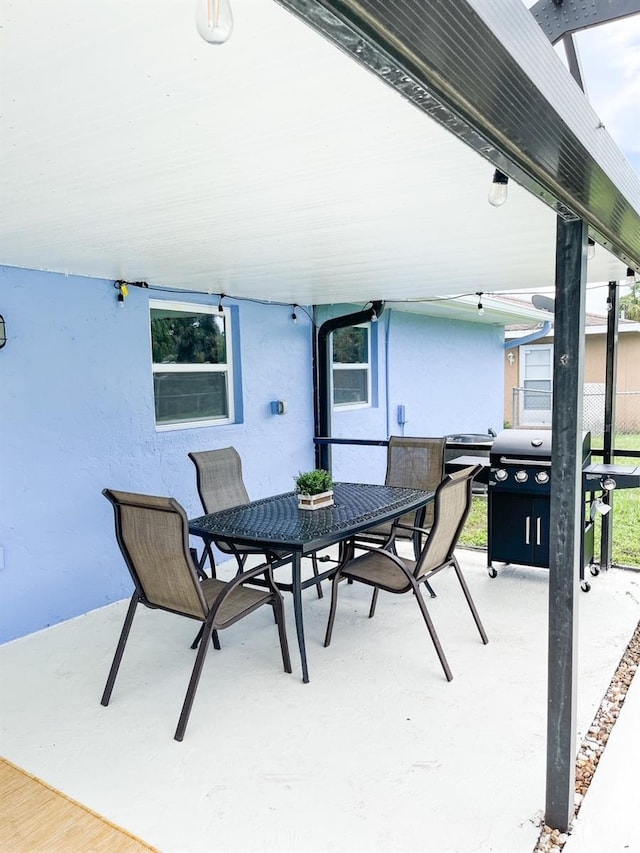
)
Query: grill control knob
[
  {"x": 521, "y": 476},
  {"x": 501, "y": 474},
  {"x": 542, "y": 477}
]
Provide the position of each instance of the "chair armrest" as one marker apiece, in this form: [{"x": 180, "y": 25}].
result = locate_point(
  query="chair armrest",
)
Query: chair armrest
[{"x": 241, "y": 578}]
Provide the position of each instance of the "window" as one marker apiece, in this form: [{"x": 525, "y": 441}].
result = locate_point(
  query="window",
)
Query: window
[
  {"x": 192, "y": 364},
  {"x": 351, "y": 353},
  {"x": 536, "y": 379}
]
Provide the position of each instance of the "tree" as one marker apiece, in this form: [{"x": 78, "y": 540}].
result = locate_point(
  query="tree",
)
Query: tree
[
  {"x": 630, "y": 304},
  {"x": 188, "y": 340}
]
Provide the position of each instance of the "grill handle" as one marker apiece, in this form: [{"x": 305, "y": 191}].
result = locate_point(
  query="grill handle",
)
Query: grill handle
[{"x": 509, "y": 460}]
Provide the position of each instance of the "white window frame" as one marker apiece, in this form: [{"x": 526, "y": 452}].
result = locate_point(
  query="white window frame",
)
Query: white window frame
[
  {"x": 535, "y": 417},
  {"x": 345, "y": 407},
  {"x": 227, "y": 368}
]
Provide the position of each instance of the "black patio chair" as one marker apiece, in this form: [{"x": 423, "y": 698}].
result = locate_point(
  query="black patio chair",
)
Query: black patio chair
[
  {"x": 221, "y": 486},
  {"x": 382, "y": 568},
  {"x": 412, "y": 463},
  {"x": 153, "y": 535}
]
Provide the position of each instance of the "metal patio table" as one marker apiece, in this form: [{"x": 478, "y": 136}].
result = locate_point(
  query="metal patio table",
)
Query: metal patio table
[{"x": 276, "y": 524}]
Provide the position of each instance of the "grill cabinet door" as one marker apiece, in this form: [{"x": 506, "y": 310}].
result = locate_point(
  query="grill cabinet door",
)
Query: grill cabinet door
[{"x": 519, "y": 529}]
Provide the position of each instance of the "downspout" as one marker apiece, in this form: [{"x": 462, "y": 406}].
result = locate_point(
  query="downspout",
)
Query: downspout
[
  {"x": 387, "y": 335},
  {"x": 534, "y": 336},
  {"x": 323, "y": 368}
]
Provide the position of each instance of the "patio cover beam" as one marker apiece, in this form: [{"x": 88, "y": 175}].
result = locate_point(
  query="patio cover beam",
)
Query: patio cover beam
[
  {"x": 488, "y": 73},
  {"x": 566, "y": 521},
  {"x": 613, "y": 304},
  {"x": 559, "y": 19}
]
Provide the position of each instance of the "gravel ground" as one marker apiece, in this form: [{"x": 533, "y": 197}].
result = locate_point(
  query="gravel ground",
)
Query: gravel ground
[{"x": 595, "y": 741}]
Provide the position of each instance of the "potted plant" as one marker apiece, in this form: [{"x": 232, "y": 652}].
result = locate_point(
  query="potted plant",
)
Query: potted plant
[{"x": 314, "y": 489}]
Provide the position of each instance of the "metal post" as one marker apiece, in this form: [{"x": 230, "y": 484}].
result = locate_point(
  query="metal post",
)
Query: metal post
[
  {"x": 566, "y": 521},
  {"x": 606, "y": 538}
]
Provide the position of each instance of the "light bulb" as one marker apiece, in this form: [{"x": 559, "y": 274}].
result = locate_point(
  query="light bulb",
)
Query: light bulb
[
  {"x": 499, "y": 189},
  {"x": 214, "y": 20},
  {"x": 480, "y": 305},
  {"x": 591, "y": 249},
  {"x": 631, "y": 276}
]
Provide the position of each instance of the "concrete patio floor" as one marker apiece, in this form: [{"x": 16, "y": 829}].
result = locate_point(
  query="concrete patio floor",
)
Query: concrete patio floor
[{"x": 377, "y": 753}]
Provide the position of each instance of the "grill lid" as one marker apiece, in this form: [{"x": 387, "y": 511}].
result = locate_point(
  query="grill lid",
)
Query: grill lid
[{"x": 530, "y": 444}]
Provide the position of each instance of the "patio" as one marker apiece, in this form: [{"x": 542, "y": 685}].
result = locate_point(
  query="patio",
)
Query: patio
[{"x": 378, "y": 752}]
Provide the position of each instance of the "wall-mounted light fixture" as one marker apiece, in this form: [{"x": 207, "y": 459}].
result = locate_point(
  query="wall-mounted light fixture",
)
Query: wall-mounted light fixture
[
  {"x": 3, "y": 332},
  {"x": 511, "y": 359},
  {"x": 214, "y": 20},
  {"x": 499, "y": 189},
  {"x": 123, "y": 292}
]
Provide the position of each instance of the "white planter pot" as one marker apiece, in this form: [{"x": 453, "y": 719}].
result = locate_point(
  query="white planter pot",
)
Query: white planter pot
[{"x": 318, "y": 501}]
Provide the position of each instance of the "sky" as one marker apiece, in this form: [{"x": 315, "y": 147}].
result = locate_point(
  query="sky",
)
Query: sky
[
  {"x": 610, "y": 57},
  {"x": 610, "y": 60}
]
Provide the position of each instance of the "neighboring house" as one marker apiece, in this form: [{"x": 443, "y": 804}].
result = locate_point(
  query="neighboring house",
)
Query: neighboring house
[
  {"x": 84, "y": 408},
  {"x": 528, "y": 371}
]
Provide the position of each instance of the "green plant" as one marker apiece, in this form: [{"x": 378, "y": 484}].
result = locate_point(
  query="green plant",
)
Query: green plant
[{"x": 313, "y": 482}]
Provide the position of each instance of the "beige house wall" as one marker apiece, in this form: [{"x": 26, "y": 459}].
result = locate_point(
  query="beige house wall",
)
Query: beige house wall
[{"x": 627, "y": 379}]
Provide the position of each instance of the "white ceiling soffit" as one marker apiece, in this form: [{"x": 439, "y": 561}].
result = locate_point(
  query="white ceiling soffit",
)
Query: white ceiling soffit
[
  {"x": 494, "y": 312},
  {"x": 272, "y": 167}
]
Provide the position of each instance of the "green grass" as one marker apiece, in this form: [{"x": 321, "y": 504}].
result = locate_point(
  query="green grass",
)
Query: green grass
[{"x": 626, "y": 513}]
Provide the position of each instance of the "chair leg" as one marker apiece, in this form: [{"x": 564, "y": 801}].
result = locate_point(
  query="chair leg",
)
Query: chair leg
[
  {"x": 193, "y": 681},
  {"x": 432, "y": 632},
  {"x": 314, "y": 563},
  {"x": 241, "y": 559},
  {"x": 214, "y": 639},
  {"x": 470, "y": 602},
  {"x": 198, "y": 562},
  {"x": 335, "y": 582},
  {"x": 431, "y": 590},
  {"x": 122, "y": 642},
  {"x": 278, "y": 612},
  {"x": 374, "y": 601}
]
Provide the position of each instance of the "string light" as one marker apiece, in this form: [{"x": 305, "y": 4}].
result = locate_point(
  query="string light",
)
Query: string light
[
  {"x": 480, "y": 305},
  {"x": 214, "y": 20},
  {"x": 220, "y": 308},
  {"x": 294, "y": 316},
  {"x": 591, "y": 249},
  {"x": 499, "y": 189}
]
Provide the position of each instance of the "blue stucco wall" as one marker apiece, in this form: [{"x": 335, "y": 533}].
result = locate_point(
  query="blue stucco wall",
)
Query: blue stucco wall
[
  {"x": 448, "y": 374},
  {"x": 77, "y": 414}
]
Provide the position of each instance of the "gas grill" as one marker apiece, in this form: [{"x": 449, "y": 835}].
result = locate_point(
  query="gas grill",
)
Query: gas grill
[{"x": 519, "y": 500}]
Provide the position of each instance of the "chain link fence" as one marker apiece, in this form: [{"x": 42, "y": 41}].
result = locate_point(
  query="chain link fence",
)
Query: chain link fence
[{"x": 533, "y": 408}]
